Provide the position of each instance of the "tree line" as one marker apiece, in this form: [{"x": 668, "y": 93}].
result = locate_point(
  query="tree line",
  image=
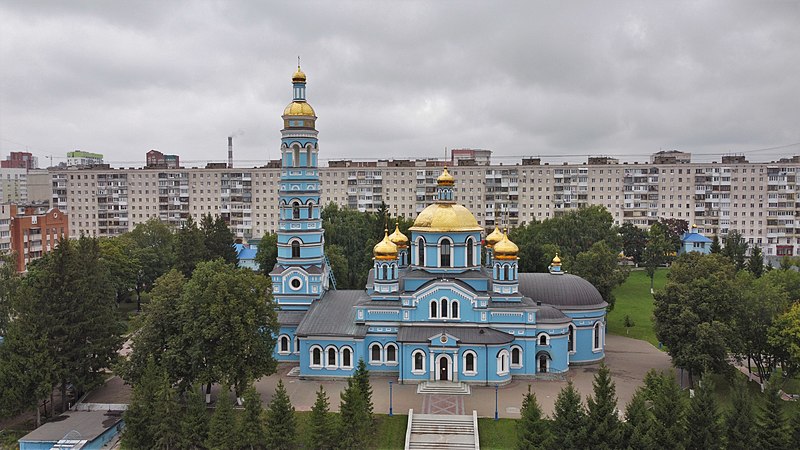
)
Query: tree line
[
  {"x": 658, "y": 416},
  {"x": 161, "y": 416}
]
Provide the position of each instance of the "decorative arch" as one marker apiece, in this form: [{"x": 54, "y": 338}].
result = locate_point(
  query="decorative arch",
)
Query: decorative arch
[
  {"x": 390, "y": 353},
  {"x": 543, "y": 339},
  {"x": 295, "y": 209},
  {"x": 469, "y": 363},
  {"x": 543, "y": 362},
  {"x": 418, "y": 362},
  {"x": 597, "y": 336},
  {"x": 445, "y": 246},
  {"x": 375, "y": 353},
  {"x": 346, "y": 357},
  {"x": 454, "y": 309},
  {"x": 421, "y": 251},
  {"x": 470, "y": 252},
  {"x": 434, "y": 309},
  {"x": 517, "y": 357},
  {"x": 316, "y": 357},
  {"x": 284, "y": 344},
  {"x": 331, "y": 357},
  {"x": 295, "y": 243},
  {"x": 295, "y": 155},
  {"x": 502, "y": 362}
]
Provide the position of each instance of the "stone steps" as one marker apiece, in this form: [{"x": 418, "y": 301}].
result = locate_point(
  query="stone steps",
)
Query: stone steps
[
  {"x": 443, "y": 388},
  {"x": 438, "y": 431}
]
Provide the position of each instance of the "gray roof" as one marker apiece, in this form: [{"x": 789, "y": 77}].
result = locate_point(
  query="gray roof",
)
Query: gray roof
[
  {"x": 90, "y": 425},
  {"x": 465, "y": 335},
  {"x": 562, "y": 291},
  {"x": 290, "y": 317},
  {"x": 311, "y": 270},
  {"x": 334, "y": 315},
  {"x": 549, "y": 314}
]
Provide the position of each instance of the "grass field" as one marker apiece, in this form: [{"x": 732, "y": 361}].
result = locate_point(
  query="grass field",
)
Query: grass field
[
  {"x": 390, "y": 432},
  {"x": 634, "y": 299},
  {"x": 501, "y": 434}
]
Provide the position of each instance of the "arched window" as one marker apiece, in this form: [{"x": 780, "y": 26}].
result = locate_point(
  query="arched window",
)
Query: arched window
[
  {"x": 454, "y": 309},
  {"x": 434, "y": 309},
  {"x": 316, "y": 356},
  {"x": 308, "y": 158},
  {"x": 347, "y": 358},
  {"x": 297, "y": 344},
  {"x": 470, "y": 252},
  {"x": 332, "y": 357},
  {"x": 444, "y": 253},
  {"x": 443, "y": 308},
  {"x": 295, "y": 249},
  {"x": 391, "y": 272},
  {"x": 391, "y": 353},
  {"x": 375, "y": 353},
  {"x": 383, "y": 273},
  {"x": 571, "y": 339},
  {"x": 284, "y": 344},
  {"x": 421, "y": 252},
  {"x": 502, "y": 362},
  {"x": 505, "y": 273},
  {"x": 295, "y": 210},
  {"x": 469, "y": 363},
  {"x": 296, "y": 157},
  {"x": 516, "y": 357},
  {"x": 419, "y": 362},
  {"x": 543, "y": 339},
  {"x": 597, "y": 330}
]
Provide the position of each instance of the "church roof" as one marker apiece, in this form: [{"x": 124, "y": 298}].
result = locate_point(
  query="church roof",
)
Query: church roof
[
  {"x": 334, "y": 315},
  {"x": 311, "y": 270},
  {"x": 562, "y": 291},
  {"x": 290, "y": 317},
  {"x": 466, "y": 335},
  {"x": 695, "y": 237}
]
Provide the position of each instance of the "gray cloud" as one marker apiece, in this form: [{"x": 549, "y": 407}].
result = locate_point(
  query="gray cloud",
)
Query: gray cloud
[{"x": 401, "y": 78}]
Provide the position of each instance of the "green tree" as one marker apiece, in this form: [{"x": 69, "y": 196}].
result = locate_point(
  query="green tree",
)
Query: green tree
[
  {"x": 740, "y": 422},
  {"x": 638, "y": 422},
  {"x": 532, "y": 428},
  {"x": 27, "y": 372},
  {"x": 189, "y": 247},
  {"x": 773, "y": 428},
  {"x": 123, "y": 266},
  {"x": 569, "y": 420},
  {"x": 321, "y": 433},
  {"x": 361, "y": 377},
  {"x": 668, "y": 429},
  {"x": 603, "y": 428},
  {"x": 222, "y": 427},
  {"x": 577, "y": 230},
  {"x": 795, "y": 430},
  {"x": 634, "y": 241},
  {"x": 339, "y": 262},
  {"x": 9, "y": 283},
  {"x": 194, "y": 421},
  {"x": 704, "y": 422},
  {"x": 736, "y": 249},
  {"x": 628, "y": 323},
  {"x": 715, "y": 245},
  {"x": 140, "y": 420},
  {"x": 151, "y": 244},
  {"x": 354, "y": 419},
  {"x": 281, "y": 423},
  {"x": 167, "y": 430},
  {"x": 599, "y": 266},
  {"x": 250, "y": 431},
  {"x": 218, "y": 239},
  {"x": 674, "y": 229},
  {"x": 267, "y": 253},
  {"x": 755, "y": 263},
  {"x": 656, "y": 252},
  {"x": 784, "y": 334}
]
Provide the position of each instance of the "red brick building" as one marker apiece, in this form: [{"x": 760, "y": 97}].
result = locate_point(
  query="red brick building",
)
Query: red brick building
[
  {"x": 34, "y": 231},
  {"x": 158, "y": 160},
  {"x": 19, "y": 160}
]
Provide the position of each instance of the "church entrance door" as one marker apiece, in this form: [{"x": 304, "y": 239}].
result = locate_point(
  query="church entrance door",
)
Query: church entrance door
[
  {"x": 444, "y": 369},
  {"x": 543, "y": 363}
]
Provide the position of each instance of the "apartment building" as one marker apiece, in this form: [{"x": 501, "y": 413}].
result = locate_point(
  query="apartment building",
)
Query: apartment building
[
  {"x": 757, "y": 199},
  {"x": 30, "y": 231}
]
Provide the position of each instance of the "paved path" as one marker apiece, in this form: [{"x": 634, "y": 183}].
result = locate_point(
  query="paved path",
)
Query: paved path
[{"x": 442, "y": 404}]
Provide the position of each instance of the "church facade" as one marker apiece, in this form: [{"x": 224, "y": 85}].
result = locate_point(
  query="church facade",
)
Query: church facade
[{"x": 433, "y": 308}]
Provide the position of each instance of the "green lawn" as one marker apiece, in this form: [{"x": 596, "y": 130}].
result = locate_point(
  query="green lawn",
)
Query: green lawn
[
  {"x": 501, "y": 434},
  {"x": 634, "y": 299},
  {"x": 390, "y": 432}
]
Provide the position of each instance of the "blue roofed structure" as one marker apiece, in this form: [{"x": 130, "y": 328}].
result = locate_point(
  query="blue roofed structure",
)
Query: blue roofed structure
[{"x": 692, "y": 241}]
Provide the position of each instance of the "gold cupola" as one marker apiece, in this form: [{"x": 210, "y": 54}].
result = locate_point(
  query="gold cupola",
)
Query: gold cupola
[
  {"x": 445, "y": 179},
  {"x": 398, "y": 238},
  {"x": 385, "y": 250},
  {"x": 505, "y": 249},
  {"x": 556, "y": 261},
  {"x": 494, "y": 237},
  {"x": 299, "y": 106},
  {"x": 445, "y": 215},
  {"x": 299, "y": 76}
]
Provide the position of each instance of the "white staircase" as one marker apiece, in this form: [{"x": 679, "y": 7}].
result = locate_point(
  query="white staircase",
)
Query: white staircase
[
  {"x": 438, "y": 431},
  {"x": 443, "y": 388}
]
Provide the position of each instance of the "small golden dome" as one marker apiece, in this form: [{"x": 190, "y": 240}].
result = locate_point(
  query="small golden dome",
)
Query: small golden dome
[
  {"x": 556, "y": 260},
  {"x": 443, "y": 217},
  {"x": 505, "y": 249},
  {"x": 299, "y": 109},
  {"x": 385, "y": 249},
  {"x": 399, "y": 239},
  {"x": 299, "y": 76},
  {"x": 494, "y": 237},
  {"x": 445, "y": 179}
]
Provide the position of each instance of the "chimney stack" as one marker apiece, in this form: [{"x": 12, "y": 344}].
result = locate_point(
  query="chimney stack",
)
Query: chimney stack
[{"x": 230, "y": 152}]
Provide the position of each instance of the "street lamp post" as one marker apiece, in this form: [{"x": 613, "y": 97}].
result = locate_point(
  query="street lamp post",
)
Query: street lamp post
[
  {"x": 496, "y": 387},
  {"x": 390, "y": 398}
]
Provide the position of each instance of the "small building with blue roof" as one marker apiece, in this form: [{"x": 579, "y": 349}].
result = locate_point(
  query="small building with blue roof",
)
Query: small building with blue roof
[{"x": 692, "y": 241}]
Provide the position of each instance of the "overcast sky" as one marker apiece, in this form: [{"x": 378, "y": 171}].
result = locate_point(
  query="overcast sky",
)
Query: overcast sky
[{"x": 553, "y": 79}]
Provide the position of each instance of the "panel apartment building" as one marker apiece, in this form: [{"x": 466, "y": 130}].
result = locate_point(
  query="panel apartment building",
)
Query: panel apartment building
[{"x": 757, "y": 199}]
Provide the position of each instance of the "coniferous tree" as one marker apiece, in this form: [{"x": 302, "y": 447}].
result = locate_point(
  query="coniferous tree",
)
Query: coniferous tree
[
  {"x": 167, "y": 429},
  {"x": 740, "y": 423},
  {"x": 189, "y": 247},
  {"x": 532, "y": 428},
  {"x": 251, "y": 433},
  {"x": 361, "y": 376},
  {"x": 773, "y": 431},
  {"x": 668, "y": 430},
  {"x": 795, "y": 430},
  {"x": 715, "y": 245},
  {"x": 354, "y": 419},
  {"x": 218, "y": 238},
  {"x": 321, "y": 434},
  {"x": 603, "y": 428},
  {"x": 140, "y": 422},
  {"x": 755, "y": 263},
  {"x": 638, "y": 421},
  {"x": 222, "y": 428},
  {"x": 194, "y": 421},
  {"x": 280, "y": 425},
  {"x": 569, "y": 420},
  {"x": 704, "y": 427}
]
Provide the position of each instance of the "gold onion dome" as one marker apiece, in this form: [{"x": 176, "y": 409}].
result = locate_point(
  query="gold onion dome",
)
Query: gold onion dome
[
  {"x": 443, "y": 217},
  {"x": 557, "y": 260},
  {"x": 445, "y": 179},
  {"x": 385, "y": 249},
  {"x": 299, "y": 76},
  {"x": 494, "y": 237},
  {"x": 505, "y": 249},
  {"x": 299, "y": 109},
  {"x": 399, "y": 239}
]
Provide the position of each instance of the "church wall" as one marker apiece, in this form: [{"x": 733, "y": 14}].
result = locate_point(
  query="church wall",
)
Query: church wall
[
  {"x": 294, "y": 350},
  {"x": 309, "y": 369}
]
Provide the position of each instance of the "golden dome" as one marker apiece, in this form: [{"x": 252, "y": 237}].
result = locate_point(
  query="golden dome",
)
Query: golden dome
[
  {"x": 299, "y": 109},
  {"x": 494, "y": 237},
  {"x": 443, "y": 217},
  {"x": 445, "y": 179},
  {"x": 505, "y": 249},
  {"x": 299, "y": 76},
  {"x": 385, "y": 249},
  {"x": 399, "y": 239},
  {"x": 556, "y": 260}
]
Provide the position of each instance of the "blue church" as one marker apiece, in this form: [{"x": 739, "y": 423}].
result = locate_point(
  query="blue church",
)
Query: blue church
[{"x": 433, "y": 308}]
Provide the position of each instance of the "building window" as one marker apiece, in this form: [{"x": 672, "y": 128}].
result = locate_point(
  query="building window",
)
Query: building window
[
  {"x": 421, "y": 252},
  {"x": 347, "y": 358},
  {"x": 383, "y": 273},
  {"x": 297, "y": 345},
  {"x": 502, "y": 362},
  {"x": 391, "y": 353},
  {"x": 470, "y": 252},
  {"x": 543, "y": 339},
  {"x": 375, "y": 353},
  {"x": 505, "y": 273},
  {"x": 516, "y": 357},
  {"x": 434, "y": 309},
  {"x": 443, "y": 307},
  {"x": 444, "y": 249},
  {"x": 295, "y": 210},
  {"x": 331, "y": 358},
  {"x": 419, "y": 362},
  {"x": 284, "y": 345},
  {"x": 469, "y": 363},
  {"x": 295, "y": 249},
  {"x": 571, "y": 339},
  {"x": 597, "y": 331},
  {"x": 316, "y": 357},
  {"x": 454, "y": 309}
]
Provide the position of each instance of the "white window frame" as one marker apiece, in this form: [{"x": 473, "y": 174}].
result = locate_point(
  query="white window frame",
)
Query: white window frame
[
  {"x": 335, "y": 364},
  {"x": 572, "y": 331},
  {"x": 415, "y": 256},
  {"x": 452, "y": 302},
  {"x": 386, "y": 354},
  {"x": 474, "y": 370},
  {"x": 597, "y": 336},
  {"x": 435, "y": 304},
  {"x": 288, "y": 344},
  {"x": 546, "y": 339},
  {"x": 322, "y": 357},
  {"x": 414, "y": 369},
  {"x": 521, "y": 357},
  {"x": 439, "y": 252},
  {"x": 341, "y": 357},
  {"x": 376, "y": 362},
  {"x": 502, "y": 369}
]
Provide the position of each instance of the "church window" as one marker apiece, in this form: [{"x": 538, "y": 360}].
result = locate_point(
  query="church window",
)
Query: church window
[
  {"x": 297, "y": 345},
  {"x": 444, "y": 258},
  {"x": 571, "y": 339},
  {"x": 331, "y": 357},
  {"x": 296, "y": 157},
  {"x": 295, "y": 249},
  {"x": 516, "y": 357},
  {"x": 470, "y": 252},
  {"x": 454, "y": 309},
  {"x": 347, "y": 358},
  {"x": 419, "y": 362},
  {"x": 375, "y": 353},
  {"x": 434, "y": 309},
  {"x": 295, "y": 210},
  {"x": 469, "y": 362},
  {"x": 505, "y": 273},
  {"x": 543, "y": 339},
  {"x": 391, "y": 353},
  {"x": 308, "y": 158},
  {"x": 596, "y": 332},
  {"x": 502, "y": 362},
  {"x": 316, "y": 356},
  {"x": 284, "y": 345},
  {"x": 383, "y": 273},
  {"x": 421, "y": 252},
  {"x": 443, "y": 308}
]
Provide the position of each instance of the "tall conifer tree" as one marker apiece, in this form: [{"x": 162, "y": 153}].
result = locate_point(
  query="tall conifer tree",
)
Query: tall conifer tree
[
  {"x": 773, "y": 430},
  {"x": 140, "y": 420},
  {"x": 194, "y": 421},
  {"x": 532, "y": 428},
  {"x": 321, "y": 434},
  {"x": 704, "y": 427},
  {"x": 361, "y": 376},
  {"x": 281, "y": 425},
  {"x": 603, "y": 428},
  {"x": 251, "y": 432},
  {"x": 355, "y": 422},
  {"x": 222, "y": 428},
  {"x": 740, "y": 423},
  {"x": 638, "y": 421},
  {"x": 167, "y": 430},
  {"x": 569, "y": 420},
  {"x": 669, "y": 412}
]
